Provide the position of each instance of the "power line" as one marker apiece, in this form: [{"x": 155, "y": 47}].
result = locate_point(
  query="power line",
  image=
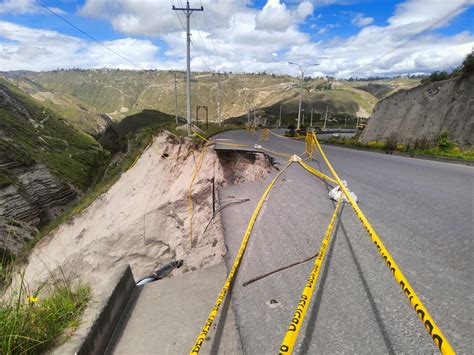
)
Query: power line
[
  {"x": 86, "y": 34},
  {"x": 210, "y": 33},
  {"x": 203, "y": 42},
  {"x": 413, "y": 37}
]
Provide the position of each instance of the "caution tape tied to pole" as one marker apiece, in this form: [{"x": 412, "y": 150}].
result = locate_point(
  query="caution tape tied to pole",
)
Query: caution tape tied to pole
[
  {"x": 289, "y": 340},
  {"x": 429, "y": 323},
  {"x": 207, "y": 326}
]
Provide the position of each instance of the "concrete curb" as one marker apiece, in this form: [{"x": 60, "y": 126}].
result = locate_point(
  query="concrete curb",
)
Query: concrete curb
[{"x": 101, "y": 317}]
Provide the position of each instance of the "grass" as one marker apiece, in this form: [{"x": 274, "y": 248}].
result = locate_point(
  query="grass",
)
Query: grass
[
  {"x": 452, "y": 151},
  {"x": 35, "y": 322},
  {"x": 41, "y": 135}
]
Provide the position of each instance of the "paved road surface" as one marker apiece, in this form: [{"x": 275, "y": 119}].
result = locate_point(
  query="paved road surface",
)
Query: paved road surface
[{"x": 423, "y": 212}]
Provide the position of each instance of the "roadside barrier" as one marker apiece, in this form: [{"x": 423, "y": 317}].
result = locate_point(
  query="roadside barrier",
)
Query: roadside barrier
[
  {"x": 430, "y": 325},
  {"x": 295, "y": 325},
  {"x": 309, "y": 145},
  {"x": 207, "y": 326}
]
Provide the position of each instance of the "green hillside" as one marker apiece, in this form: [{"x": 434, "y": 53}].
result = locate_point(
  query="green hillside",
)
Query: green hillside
[
  {"x": 30, "y": 132},
  {"x": 81, "y": 96}
]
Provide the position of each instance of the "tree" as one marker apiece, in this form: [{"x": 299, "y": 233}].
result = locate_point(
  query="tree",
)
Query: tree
[{"x": 468, "y": 64}]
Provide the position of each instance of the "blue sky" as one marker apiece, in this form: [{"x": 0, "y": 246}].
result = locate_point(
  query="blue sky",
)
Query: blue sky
[{"x": 344, "y": 36}]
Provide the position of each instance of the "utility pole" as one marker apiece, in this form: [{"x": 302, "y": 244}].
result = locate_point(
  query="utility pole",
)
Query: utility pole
[
  {"x": 176, "y": 98},
  {"x": 188, "y": 11},
  {"x": 254, "y": 119},
  {"x": 279, "y": 120},
  {"x": 326, "y": 117},
  {"x": 357, "y": 124},
  {"x": 302, "y": 69},
  {"x": 219, "y": 98},
  {"x": 345, "y": 122},
  {"x": 312, "y": 110}
]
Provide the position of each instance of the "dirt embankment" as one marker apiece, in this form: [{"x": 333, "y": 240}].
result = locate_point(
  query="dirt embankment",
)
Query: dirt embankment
[
  {"x": 426, "y": 111},
  {"x": 144, "y": 219}
]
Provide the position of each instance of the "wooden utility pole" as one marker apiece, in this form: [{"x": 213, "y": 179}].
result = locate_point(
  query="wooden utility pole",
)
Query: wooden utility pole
[
  {"x": 219, "y": 98},
  {"x": 176, "y": 98},
  {"x": 312, "y": 110},
  {"x": 326, "y": 117}
]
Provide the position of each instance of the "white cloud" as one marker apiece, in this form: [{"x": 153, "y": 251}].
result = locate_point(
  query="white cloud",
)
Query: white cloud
[
  {"x": 232, "y": 36},
  {"x": 25, "y": 7},
  {"x": 276, "y": 17},
  {"x": 360, "y": 20},
  {"x": 32, "y": 49}
]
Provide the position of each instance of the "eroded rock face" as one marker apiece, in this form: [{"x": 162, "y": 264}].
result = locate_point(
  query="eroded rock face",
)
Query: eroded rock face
[
  {"x": 15, "y": 234},
  {"x": 35, "y": 197},
  {"x": 426, "y": 111}
]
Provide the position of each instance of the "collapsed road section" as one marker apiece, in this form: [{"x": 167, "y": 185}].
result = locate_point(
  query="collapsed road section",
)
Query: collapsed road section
[{"x": 154, "y": 214}]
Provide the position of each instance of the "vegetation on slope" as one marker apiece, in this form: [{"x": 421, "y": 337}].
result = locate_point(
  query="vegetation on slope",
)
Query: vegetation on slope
[
  {"x": 121, "y": 93},
  {"x": 33, "y": 323},
  {"x": 33, "y": 133}
]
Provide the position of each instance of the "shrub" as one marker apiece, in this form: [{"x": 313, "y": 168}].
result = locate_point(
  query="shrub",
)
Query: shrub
[
  {"x": 468, "y": 64},
  {"x": 444, "y": 144},
  {"x": 421, "y": 144},
  {"x": 391, "y": 143},
  {"x": 436, "y": 76}
]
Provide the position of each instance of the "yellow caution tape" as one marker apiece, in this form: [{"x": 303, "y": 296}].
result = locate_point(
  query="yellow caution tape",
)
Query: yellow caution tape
[
  {"x": 203, "y": 138},
  {"x": 233, "y": 144},
  {"x": 317, "y": 173},
  {"x": 278, "y": 135},
  {"x": 309, "y": 145},
  {"x": 288, "y": 343},
  {"x": 207, "y": 326},
  {"x": 283, "y": 155},
  {"x": 430, "y": 325}
]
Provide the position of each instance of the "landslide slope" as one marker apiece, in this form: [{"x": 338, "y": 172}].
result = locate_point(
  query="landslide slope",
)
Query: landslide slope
[
  {"x": 426, "y": 111},
  {"x": 44, "y": 164}
]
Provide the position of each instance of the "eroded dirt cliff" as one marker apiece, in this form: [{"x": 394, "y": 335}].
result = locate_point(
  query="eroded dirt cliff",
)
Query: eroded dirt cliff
[
  {"x": 426, "y": 111},
  {"x": 144, "y": 219}
]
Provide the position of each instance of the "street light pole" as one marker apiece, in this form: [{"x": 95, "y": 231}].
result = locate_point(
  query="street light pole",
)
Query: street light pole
[{"x": 302, "y": 69}]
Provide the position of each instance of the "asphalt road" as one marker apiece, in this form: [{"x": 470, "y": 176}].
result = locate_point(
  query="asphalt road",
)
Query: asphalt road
[{"x": 423, "y": 212}]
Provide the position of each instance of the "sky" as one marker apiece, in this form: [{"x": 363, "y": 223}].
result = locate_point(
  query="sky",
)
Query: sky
[{"x": 341, "y": 38}]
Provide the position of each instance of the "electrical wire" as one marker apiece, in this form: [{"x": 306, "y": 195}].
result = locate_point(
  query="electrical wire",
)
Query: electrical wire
[
  {"x": 86, "y": 34},
  {"x": 430, "y": 27}
]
